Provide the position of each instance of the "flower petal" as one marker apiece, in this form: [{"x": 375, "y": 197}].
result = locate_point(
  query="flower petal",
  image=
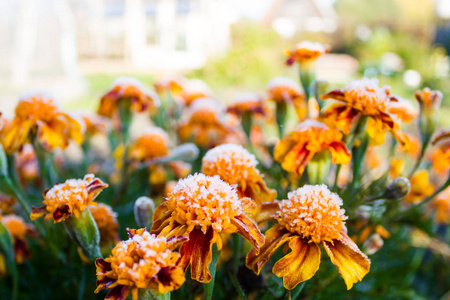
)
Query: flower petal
[
  {"x": 268, "y": 211},
  {"x": 275, "y": 238},
  {"x": 350, "y": 261},
  {"x": 300, "y": 264},
  {"x": 160, "y": 216},
  {"x": 339, "y": 153},
  {"x": 38, "y": 212},
  {"x": 119, "y": 292},
  {"x": 249, "y": 230}
]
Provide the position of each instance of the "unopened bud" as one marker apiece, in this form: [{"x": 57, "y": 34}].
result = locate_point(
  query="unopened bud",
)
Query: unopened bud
[
  {"x": 397, "y": 189},
  {"x": 185, "y": 152},
  {"x": 373, "y": 244},
  {"x": 143, "y": 211}
]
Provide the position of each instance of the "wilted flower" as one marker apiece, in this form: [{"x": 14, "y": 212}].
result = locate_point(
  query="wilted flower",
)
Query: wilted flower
[
  {"x": 308, "y": 138},
  {"x": 144, "y": 261},
  {"x": 38, "y": 116},
  {"x": 235, "y": 165},
  {"x": 311, "y": 216},
  {"x": 203, "y": 207},
  {"x": 106, "y": 220},
  {"x": 70, "y": 197},
  {"x": 442, "y": 206},
  {"x": 364, "y": 98},
  {"x": 306, "y": 51},
  {"x": 203, "y": 125},
  {"x": 283, "y": 89},
  {"x": 420, "y": 187},
  {"x": 19, "y": 229}
]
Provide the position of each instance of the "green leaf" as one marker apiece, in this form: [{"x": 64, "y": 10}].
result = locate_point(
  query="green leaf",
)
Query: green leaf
[
  {"x": 7, "y": 248},
  {"x": 209, "y": 287},
  {"x": 3, "y": 162},
  {"x": 149, "y": 294}
]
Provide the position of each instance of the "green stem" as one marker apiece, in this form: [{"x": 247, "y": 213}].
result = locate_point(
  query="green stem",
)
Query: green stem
[
  {"x": 423, "y": 149},
  {"x": 358, "y": 154},
  {"x": 237, "y": 245},
  {"x": 281, "y": 113},
  {"x": 209, "y": 287},
  {"x": 294, "y": 293},
  {"x": 336, "y": 178}
]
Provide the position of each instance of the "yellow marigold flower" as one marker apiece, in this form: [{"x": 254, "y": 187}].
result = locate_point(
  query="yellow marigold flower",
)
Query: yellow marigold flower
[
  {"x": 308, "y": 138},
  {"x": 403, "y": 109},
  {"x": 235, "y": 165},
  {"x": 363, "y": 98},
  {"x": 27, "y": 165},
  {"x": 420, "y": 187},
  {"x": 106, "y": 221},
  {"x": 310, "y": 216},
  {"x": 38, "y": 116},
  {"x": 247, "y": 103},
  {"x": 127, "y": 89},
  {"x": 428, "y": 99},
  {"x": 203, "y": 124},
  {"x": 19, "y": 229},
  {"x": 203, "y": 207},
  {"x": 442, "y": 206},
  {"x": 196, "y": 89},
  {"x": 283, "y": 89},
  {"x": 144, "y": 261},
  {"x": 306, "y": 51},
  {"x": 153, "y": 143},
  {"x": 397, "y": 166},
  {"x": 70, "y": 197},
  {"x": 96, "y": 124}
]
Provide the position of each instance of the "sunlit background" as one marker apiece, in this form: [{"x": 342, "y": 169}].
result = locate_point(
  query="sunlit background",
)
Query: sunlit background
[{"x": 75, "y": 48}]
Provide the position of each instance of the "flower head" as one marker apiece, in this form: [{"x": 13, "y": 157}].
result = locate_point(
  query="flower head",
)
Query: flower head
[
  {"x": 403, "y": 109},
  {"x": 144, "y": 261},
  {"x": 38, "y": 116},
  {"x": 236, "y": 166},
  {"x": 310, "y": 216},
  {"x": 26, "y": 164},
  {"x": 172, "y": 84},
  {"x": 250, "y": 103},
  {"x": 308, "y": 138},
  {"x": 203, "y": 124},
  {"x": 442, "y": 206},
  {"x": 283, "y": 89},
  {"x": 153, "y": 143},
  {"x": 420, "y": 187},
  {"x": 19, "y": 229},
  {"x": 95, "y": 123},
  {"x": 306, "y": 51},
  {"x": 196, "y": 89},
  {"x": 106, "y": 220},
  {"x": 364, "y": 98},
  {"x": 201, "y": 207},
  {"x": 428, "y": 99},
  {"x": 70, "y": 197}
]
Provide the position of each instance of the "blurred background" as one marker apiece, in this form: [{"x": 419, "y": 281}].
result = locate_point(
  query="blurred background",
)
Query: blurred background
[{"x": 76, "y": 48}]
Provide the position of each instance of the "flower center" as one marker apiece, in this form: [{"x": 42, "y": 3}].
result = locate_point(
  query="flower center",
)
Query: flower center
[
  {"x": 367, "y": 96},
  {"x": 200, "y": 200},
  {"x": 313, "y": 212}
]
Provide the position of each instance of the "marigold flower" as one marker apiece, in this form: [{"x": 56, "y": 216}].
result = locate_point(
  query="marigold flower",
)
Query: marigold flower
[
  {"x": 428, "y": 99},
  {"x": 442, "y": 206},
  {"x": 363, "y": 98},
  {"x": 96, "y": 124},
  {"x": 171, "y": 84},
  {"x": 196, "y": 89},
  {"x": 250, "y": 103},
  {"x": 372, "y": 158},
  {"x": 19, "y": 229},
  {"x": 310, "y": 216},
  {"x": 306, "y": 51},
  {"x": 70, "y": 197},
  {"x": 308, "y": 138},
  {"x": 403, "y": 109},
  {"x": 235, "y": 165},
  {"x": 27, "y": 165},
  {"x": 283, "y": 89},
  {"x": 397, "y": 166},
  {"x": 6, "y": 204},
  {"x": 144, "y": 261},
  {"x": 420, "y": 187},
  {"x": 127, "y": 89},
  {"x": 203, "y": 125},
  {"x": 203, "y": 207},
  {"x": 106, "y": 220},
  {"x": 153, "y": 143},
  {"x": 440, "y": 157},
  {"x": 38, "y": 116}
]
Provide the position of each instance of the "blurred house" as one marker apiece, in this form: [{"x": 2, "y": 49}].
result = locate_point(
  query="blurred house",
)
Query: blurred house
[
  {"x": 289, "y": 17},
  {"x": 153, "y": 34}
]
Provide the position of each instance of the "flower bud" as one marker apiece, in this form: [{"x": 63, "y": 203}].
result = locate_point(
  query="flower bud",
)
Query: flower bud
[
  {"x": 429, "y": 102},
  {"x": 143, "y": 211},
  {"x": 373, "y": 244},
  {"x": 185, "y": 152},
  {"x": 397, "y": 189}
]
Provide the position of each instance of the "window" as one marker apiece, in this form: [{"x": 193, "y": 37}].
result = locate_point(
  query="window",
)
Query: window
[{"x": 114, "y": 8}]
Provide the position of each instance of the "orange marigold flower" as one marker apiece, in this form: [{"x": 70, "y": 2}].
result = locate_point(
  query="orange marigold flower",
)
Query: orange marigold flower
[
  {"x": 144, "y": 261},
  {"x": 308, "y": 138},
  {"x": 397, "y": 166},
  {"x": 412, "y": 147},
  {"x": 306, "y": 51},
  {"x": 38, "y": 116},
  {"x": 106, "y": 221},
  {"x": 235, "y": 165},
  {"x": 283, "y": 89},
  {"x": 70, "y": 197},
  {"x": 420, "y": 187},
  {"x": 19, "y": 229},
  {"x": 440, "y": 157},
  {"x": 196, "y": 89},
  {"x": 372, "y": 158},
  {"x": 6, "y": 204},
  {"x": 203, "y": 207},
  {"x": 442, "y": 206},
  {"x": 403, "y": 109},
  {"x": 203, "y": 124},
  {"x": 364, "y": 98},
  {"x": 26, "y": 164},
  {"x": 96, "y": 124},
  {"x": 428, "y": 99},
  {"x": 153, "y": 143},
  {"x": 311, "y": 215},
  {"x": 172, "y": 84},
  {"x": 128, "y": 89},
  {"x": 247, "y": 103}
]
